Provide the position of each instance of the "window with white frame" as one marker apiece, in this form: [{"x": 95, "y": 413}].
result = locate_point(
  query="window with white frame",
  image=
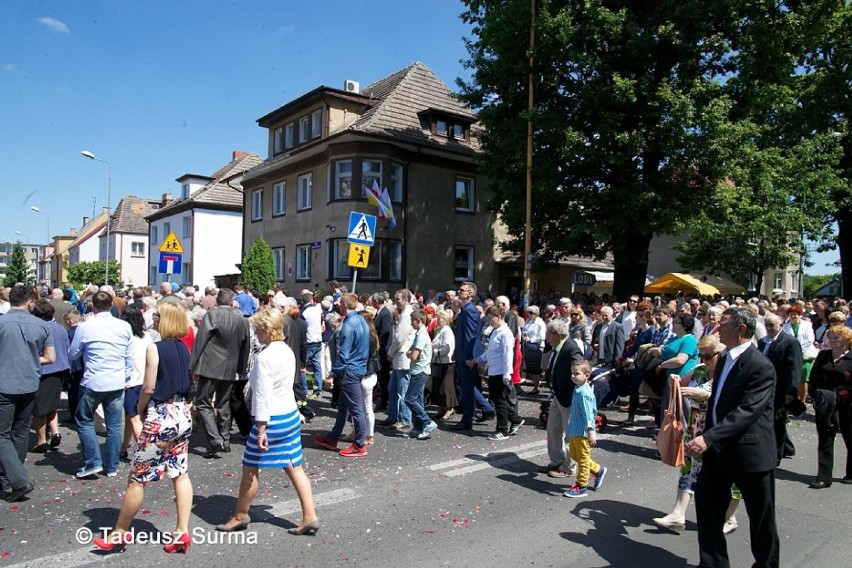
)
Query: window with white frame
[
  {"x": 289, "y": 136},
  {"x": 371, "y": 171},
  {"x": 303, "y": 130},
  {"x": 316, "y": 123},
  {"x": 154, "y": 235},
  {"x": 395, "y": 187},
  {"x": 167, "y": 228},
  {"x": 279, "y": 194},
  {"x": 305, "y": 193},
  {"x": 257, "y": 204},
  {"x": 464, "y": 194},
  {"x": 278, "y": 140},
  {"x": 343, "y": 179},
  {"x": 187, "y": 227},
  {"x": 462, "y": 263},
  {"x": 278, "y": 261},
  {"x": 303, "y": 262},
  {"x": 137, "y": 248},
  {"x": 778, "y": 280}
]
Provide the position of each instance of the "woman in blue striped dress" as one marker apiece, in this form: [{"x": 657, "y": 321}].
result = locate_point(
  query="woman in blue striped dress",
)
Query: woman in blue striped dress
[{"x": 275, "y": 440}]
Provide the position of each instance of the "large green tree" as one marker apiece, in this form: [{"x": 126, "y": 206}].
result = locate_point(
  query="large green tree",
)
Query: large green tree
[
  {"x": 84, "y": 273},
  {"x": 636, "y": 105},
  {"x": 18, "y": 270},
  {"x": 826, "y": 102},
  {"x": 258, "y": 268}
]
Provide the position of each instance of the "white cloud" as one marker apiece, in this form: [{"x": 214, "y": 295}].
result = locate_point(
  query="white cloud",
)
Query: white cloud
[
  {"x": 10, "y": 68},
  {"x": 285, "y": 30},
  {"x": 55, "y": 25}
]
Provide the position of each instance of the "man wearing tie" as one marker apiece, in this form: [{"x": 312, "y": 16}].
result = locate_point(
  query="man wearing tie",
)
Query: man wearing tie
[
  {"x": 785, "y": 354},
  {"x": 565, "y": 351},
  {"x": 738, "y": 445}
]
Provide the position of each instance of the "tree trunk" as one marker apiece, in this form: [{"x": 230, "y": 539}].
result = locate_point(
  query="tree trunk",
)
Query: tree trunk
[
  {"x": 630, "y": 257},
  {"x": 844, "y": 247}
]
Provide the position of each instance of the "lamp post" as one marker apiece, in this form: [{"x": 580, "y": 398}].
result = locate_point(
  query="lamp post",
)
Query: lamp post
[
  {"x": 27, "y": 237},
  {"x": 45, "y": 272},
  {"x": 91, "y": 156}
]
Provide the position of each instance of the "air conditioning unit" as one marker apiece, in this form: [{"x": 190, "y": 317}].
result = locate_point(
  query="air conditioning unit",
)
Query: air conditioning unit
[{"x": 351, "y": 86}]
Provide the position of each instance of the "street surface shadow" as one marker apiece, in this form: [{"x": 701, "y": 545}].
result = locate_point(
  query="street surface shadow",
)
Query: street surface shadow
[{"x": 609, "y": 539}]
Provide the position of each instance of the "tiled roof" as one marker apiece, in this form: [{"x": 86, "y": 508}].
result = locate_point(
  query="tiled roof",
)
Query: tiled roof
[
  {"x": 129, "y": 216},
  {"x": 218, "y": 192},
  {"x": 401, "y": 97}
]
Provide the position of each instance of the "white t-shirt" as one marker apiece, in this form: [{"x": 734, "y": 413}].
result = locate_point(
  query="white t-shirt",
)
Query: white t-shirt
[{"x": 140, "y": 353}]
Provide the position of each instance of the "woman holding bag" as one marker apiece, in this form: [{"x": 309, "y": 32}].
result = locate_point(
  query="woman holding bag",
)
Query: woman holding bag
[{"x": 696, "y": 387}]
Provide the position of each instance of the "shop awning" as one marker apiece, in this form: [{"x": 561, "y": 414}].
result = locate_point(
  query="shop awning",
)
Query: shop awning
[{"x": 706, "y": 285}]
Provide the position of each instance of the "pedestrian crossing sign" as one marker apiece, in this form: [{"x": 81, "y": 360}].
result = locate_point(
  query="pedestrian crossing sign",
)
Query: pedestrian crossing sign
[
  {"x": 362, "y": 229},
  {"x": 359, "y": 256},
  {"x": 171, "y": 244}
]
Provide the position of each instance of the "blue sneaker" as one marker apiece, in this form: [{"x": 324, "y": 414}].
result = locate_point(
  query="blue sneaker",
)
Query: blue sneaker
[
  {"x": 598, "y": 478},
  {"x": 575, "y": 491}
]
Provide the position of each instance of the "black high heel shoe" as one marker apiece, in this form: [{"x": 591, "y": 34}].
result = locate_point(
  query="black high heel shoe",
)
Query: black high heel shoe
[
  {"x": 55, "y": 440},
  {"x": 309, "y": 529}
]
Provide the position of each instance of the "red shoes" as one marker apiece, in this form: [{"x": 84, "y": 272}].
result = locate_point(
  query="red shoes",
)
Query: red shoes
[
  {"x": 115, "y": 539},
  {"x": 325, "y": 442},
  {"x": 179, "y": 544},
  {"x": 353, "y": 451}
]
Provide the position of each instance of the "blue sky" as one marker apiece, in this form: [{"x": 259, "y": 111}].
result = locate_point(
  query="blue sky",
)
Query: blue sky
[{"x": 160, "y": 89}]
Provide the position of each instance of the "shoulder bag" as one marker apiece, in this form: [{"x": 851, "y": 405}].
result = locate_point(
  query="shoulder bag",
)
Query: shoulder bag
[{"x": 670, "y": 438}]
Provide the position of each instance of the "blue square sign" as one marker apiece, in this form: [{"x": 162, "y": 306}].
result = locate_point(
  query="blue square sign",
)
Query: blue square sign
[
  {"x": 170, "y": 262},
  {"x": 362, "y": 229}
]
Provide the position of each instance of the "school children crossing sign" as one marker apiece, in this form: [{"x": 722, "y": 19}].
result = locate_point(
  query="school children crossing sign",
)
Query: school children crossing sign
[
  {"x": 362, "y": 229},
  {"x": 359, "y": 256},
  {"x": 171, "y": 244}
]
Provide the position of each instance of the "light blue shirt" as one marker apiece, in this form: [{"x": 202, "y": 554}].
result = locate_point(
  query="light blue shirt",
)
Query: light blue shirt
[
  {"x": 584, "y": 410},
  {"x": 421, "y": 342},
  {"x": 500, "y": 354},
  {"x": 106, "y": 345}
]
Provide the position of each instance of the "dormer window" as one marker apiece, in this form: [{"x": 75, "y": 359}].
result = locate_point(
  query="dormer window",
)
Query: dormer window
[
  {"x": 458, "y": 131},
  {"x": 184, "y": 191},
  {"x": 441, "y": 127}
]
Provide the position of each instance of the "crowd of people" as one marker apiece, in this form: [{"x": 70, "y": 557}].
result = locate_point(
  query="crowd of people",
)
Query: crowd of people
[{"x": 152, "y": 366}]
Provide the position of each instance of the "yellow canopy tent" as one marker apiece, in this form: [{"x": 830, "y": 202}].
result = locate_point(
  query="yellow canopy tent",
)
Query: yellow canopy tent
[{"x": 675, "y": 282}]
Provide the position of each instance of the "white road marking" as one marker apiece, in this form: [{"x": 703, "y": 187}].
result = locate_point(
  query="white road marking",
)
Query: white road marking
[
  {"x": 491, "y": 455},
  {"x": 85, "y": 556}
]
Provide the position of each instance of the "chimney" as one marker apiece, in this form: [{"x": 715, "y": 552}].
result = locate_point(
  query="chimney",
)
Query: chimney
[
  {"x": 85, "y": 220},
  {"x": 72, "y": 232},
  {"x": 237, "y": 154},
  {"x": 167, "y": 198}
]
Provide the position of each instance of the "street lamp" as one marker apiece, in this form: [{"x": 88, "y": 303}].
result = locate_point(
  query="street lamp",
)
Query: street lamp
[
  {"x": 27, "y": 237},
  {"x": 91, "y": 156},
  {"x": 46, "y": 271}
]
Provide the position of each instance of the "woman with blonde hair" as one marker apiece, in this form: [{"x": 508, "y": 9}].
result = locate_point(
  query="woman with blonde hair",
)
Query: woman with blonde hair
[
  {"x": 275, "y": 440},
  {"x": 162, "y": 448}
]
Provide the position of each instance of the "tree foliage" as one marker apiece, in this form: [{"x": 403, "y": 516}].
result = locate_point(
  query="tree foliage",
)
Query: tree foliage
[
  {"x": 85, "y": 273},
  {"x": 258, "y": 268},
  {"x": 641, "y": 113},
  {"x": 813, "y": 283},
  {"x": 18, "y": 270}
]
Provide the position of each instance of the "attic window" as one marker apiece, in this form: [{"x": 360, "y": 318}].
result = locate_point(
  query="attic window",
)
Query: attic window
[
  {"x": 452, "y": 129},
  {"x": 441, "y": 127}
]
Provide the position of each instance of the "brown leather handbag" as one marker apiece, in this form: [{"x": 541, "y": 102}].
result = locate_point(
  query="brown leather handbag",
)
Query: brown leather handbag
[{"x": 670, "y": 438}]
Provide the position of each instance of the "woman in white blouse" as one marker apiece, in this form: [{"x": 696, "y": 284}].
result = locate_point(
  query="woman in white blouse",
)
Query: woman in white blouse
[
  {"x": 443, "y": 381},
  {"x": 534, "y": 331},
  {"x": 275, "y": 440}
]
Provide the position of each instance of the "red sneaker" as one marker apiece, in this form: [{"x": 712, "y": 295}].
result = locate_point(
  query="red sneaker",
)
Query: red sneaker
[
  {"x": 325, "y": 442},
  {"x": 353, "y": 451}
]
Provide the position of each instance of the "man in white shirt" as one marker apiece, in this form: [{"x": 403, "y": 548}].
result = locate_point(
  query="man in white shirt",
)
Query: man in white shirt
[
  {"x": 399, "y": 415},
  {"x": 312, "y": 314},
  {"x": 105, "y": 344}
]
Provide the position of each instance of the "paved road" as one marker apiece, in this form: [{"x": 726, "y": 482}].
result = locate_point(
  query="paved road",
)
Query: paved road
[{"x": 455, "y": 500}]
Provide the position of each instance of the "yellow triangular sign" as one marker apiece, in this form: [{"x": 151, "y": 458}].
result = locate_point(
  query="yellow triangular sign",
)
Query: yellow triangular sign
[{"x": 171, "y": 244}]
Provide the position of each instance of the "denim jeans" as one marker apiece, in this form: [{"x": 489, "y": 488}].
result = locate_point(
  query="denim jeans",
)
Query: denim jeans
[
  {"x": 414, "y": 401},
  {"x": 16, "y": 415},
  {"x": 314, "y": 363},
  {"x": 113, "y": 403},
  {"x": 471, "y": 396},
  {"x": 398, "y": 387},
  {"x": 351, "y": 403}
]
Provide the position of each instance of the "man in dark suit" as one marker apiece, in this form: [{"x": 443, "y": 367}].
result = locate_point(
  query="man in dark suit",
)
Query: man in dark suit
[
  {"x": 785, "y": 354},
  {"x": 384, "y": 328},
  {"x": 610, "y": 344},
  {"x": 738, "y": 446},
  {"x": 565, "y": 351},
  {"x": 467, "y": 334},
  {"x": 220, "y": 353}
]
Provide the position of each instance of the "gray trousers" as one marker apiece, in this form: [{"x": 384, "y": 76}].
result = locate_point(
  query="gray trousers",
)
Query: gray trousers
[
  {"x": 557, "y": 421},
  {"x": 216, "y": 427},
  {"x": 16, "y": 416}
]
